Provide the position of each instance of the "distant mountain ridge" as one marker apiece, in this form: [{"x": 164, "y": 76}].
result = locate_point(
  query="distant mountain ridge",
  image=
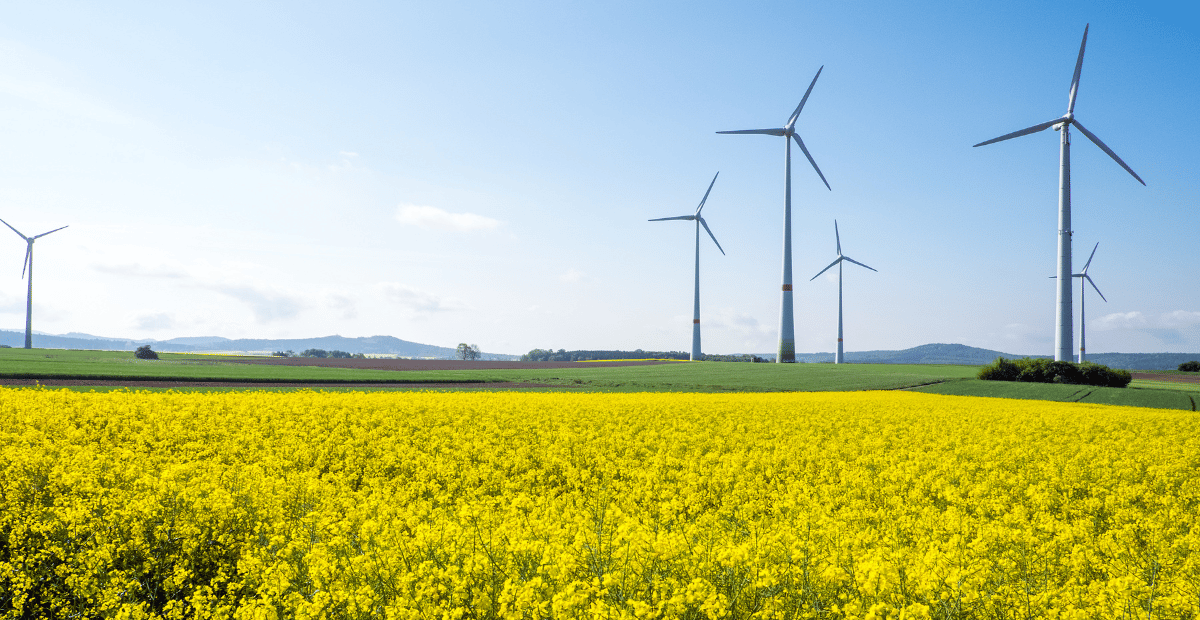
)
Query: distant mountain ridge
[
  {"x": 370, "y": 345},
  {"x": 973, "y": 356},
  {"x": 937, "y": 353}
]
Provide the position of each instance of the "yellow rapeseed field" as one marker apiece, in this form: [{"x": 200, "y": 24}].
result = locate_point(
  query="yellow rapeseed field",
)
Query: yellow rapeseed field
[{"x": 536, "y": 505}]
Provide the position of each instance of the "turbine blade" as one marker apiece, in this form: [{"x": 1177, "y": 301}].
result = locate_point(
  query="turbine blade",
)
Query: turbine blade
[
  {"x": 25, "y": 263},
  {"x": 714, "y": 237},
  {"x": 1089, "y": 279},
  {"x": 812, "y": 161},
  {"x": 838, "y": 237},
  {"x": 15, "y": 230},
  {"x": 1091, "y": 136},
  {"x": 679, "y": 217},
  {"x": 767, "y": 132},
  {"x": 792, "y": 120},
  {"x": 859, "y": 264},
  {"x": 1075, "y": 79},
  {"x": 1089, "y": 261},
  {"x": 1023, "y": 132},
  {"x": 702, "y": 200},
  {"x": 839, "y": 259},
  {"x": 46, "y": 233}
]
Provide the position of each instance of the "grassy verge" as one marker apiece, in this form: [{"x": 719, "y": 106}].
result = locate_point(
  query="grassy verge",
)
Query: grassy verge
[
  {"x": 1133, "y": 396},
  {"x": 675, "y": 377},
  {"x": 681, "y": 377}
]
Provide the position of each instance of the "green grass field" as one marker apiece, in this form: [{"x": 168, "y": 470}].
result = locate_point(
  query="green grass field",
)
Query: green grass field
[
  {"x": 1134, "y": 396},
  {"x": 673, "y": 377}
]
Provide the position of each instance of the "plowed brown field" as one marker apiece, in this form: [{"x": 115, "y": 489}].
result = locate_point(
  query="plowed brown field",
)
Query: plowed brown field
[{"x": 397, "y": 364}]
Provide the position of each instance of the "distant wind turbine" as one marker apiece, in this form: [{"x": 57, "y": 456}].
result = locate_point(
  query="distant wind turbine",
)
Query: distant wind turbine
[
  {"x": 1062, "y": 332},
  {"x": 839, "y": 358},
  {"x": 28, "y": 266},
  {"x": 696, "y": 354},
  {"x": 787, "y": 333},
  {"x": 1083, "y": 275}
]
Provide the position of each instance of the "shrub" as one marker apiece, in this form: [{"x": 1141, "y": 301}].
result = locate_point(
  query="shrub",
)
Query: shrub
[
  {"x": 314, "y": 353},
  {"x": 1063, "y": 372},
  {"x": 1000, "y": 370},
  {"x": 1118, "y": 377},
  {"x": 1192, "y": 366},
  {"x": 340, "y": 354},
  {"x": 282, "y": 354},
  {"x": 1049, "y": 371},
  {"x": 144, "y": 353},
  {"x": 1034, "y": 370}
]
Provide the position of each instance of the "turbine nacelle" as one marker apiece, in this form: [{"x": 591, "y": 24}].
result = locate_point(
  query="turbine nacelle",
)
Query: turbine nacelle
[
  {"x": 1069, "y": 119},
  {"x": 788, "y": 131},
  {"x": 696, "y": 216},
  {"x": 840, "y": 257},
  {"x": 27, "y": 265}
]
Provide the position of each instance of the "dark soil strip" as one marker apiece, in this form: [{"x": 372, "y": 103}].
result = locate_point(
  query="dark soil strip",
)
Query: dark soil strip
[
  {"x": 399, "y": 364},
  {"x": 1177, "y": 378},
  {"x": 157, "y": 383}
]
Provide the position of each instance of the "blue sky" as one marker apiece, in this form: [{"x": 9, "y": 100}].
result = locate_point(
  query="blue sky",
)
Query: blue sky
[{"x": 483, "y": 172}]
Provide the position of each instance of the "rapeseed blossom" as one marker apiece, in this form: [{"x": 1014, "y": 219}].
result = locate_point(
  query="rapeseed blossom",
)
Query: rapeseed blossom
[{"x": 534, "y": 505}]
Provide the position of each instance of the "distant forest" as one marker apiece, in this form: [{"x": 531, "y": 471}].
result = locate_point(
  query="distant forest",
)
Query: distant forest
[{"x": 550, "y": 355}]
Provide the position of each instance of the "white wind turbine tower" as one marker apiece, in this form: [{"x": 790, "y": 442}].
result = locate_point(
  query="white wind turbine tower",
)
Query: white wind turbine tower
[
  {"x": 1083, "y": 275},
  {"x": 1063, "y": 329},
  {"x": 699, "y": 222},
  {"x": 28, "y": 265},
  {"x": 839, "y": 357},
  {"x": 787, "y": 334}
]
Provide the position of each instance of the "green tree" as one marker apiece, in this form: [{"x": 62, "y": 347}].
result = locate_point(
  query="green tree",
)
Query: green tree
[{"x": 467, "y": 352}]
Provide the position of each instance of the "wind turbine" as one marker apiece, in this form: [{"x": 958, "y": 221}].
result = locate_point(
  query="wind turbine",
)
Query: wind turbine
[
  {"x": 1062, "y": 332},
  {"x": 1083, "y": 275},
  {"x": 699, "y": 222},
  {"x": 839, "y": 358},
  {"x": 787, "y": 333},
  {"x": 28, "y": 265}
]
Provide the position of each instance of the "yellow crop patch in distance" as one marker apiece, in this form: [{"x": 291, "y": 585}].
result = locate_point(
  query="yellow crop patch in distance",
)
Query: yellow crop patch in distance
[{"x": 551, "y": 505}]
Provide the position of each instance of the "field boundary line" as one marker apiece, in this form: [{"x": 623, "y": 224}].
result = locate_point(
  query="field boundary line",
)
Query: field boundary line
[{"x": 143, "y": 378}]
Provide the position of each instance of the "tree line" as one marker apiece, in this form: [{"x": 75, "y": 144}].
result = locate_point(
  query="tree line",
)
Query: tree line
[
  {"x": 561, "y": 355},
  {"x": 320, "y": 353}
]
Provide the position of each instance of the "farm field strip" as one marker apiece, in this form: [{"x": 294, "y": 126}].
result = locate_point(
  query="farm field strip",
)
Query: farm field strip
[
  {"x": 686, "y": 376},
  {"x": 489, "y": 505},
  {"x": 1164, "y": 397},
  {"x": 94, "y": 369}
]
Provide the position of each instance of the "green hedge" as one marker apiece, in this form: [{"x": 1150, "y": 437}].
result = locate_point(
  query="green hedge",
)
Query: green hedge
[
  {"x": 1049, "y": 371},
  {"x": 1192, "y": 366}
]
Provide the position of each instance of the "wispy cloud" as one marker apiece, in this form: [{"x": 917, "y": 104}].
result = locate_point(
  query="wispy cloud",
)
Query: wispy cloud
[
  {"x": 267, "y": 305},
  {"x": 423, "y": 216},
  {"x": 417, "y": 301},
  {"x": 142, "y": 270},
  {"x": 343, "y": 304},
  {"x": 1169, "y": 328},
  {"x": 572, "y": 276},
  {"x": 154, "y": 322},
  {"x": 738, "y": 322},
  {"x": 26, "y": 74},
  {"x": 12, "y": 303},
  {"x": 347, "y": 162},
  {"x": 1180, "y": 318},
  {"x": 1119, "y": 320}
]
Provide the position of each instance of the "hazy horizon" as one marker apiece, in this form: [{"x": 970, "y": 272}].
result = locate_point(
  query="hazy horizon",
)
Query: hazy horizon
[{"x": 484, "y": 172}]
